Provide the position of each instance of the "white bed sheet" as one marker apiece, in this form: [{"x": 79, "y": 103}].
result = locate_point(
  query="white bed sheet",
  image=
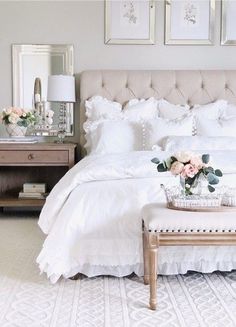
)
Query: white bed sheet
[{"x": 92, "y": 218}]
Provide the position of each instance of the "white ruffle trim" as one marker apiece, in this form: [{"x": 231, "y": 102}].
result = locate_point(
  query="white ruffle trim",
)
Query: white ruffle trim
[{"x": 172, "y": 260}]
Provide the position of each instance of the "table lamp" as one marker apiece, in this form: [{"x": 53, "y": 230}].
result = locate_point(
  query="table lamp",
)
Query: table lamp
[{"x": 61, "y": 88}]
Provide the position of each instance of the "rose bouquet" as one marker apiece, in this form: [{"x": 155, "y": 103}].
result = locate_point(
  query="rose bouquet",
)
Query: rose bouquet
[
  {"x": 18, "y": 117},
  {"x": 190, "y": 167}
]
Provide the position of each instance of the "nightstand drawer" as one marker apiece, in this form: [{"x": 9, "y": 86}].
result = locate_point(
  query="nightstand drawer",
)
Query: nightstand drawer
[{"x": 56, "y": 157}]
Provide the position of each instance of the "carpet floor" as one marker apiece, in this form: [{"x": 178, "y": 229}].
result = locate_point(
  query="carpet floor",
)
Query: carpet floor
[{"x": 29, "y": 300}]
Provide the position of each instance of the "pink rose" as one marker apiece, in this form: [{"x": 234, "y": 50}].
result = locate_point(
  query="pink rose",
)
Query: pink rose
[
  {"x": 176, "y": 168},
  {"x": 17, "y": 111},
  {"x": 189, "y": 171},
  {"x": 197, "y": 162}
]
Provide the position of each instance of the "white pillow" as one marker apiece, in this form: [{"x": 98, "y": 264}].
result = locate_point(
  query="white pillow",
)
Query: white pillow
[
  {"x": 230, "y": 110},
  {"x": 137, "y": 110},
  {"x": 158, "y": 129},
  {"x": 197, "y": 143},
  {"x": 216, "y": 127},
  {"x": 113, "y": 136},
  {"x": 213, "y": 110},
  {"x": 98, "y": 107},
  {"x": 168, "y": 110}
]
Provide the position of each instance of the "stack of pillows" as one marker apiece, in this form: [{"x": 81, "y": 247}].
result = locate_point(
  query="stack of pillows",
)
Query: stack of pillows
[{"x": 157, "y": 124}]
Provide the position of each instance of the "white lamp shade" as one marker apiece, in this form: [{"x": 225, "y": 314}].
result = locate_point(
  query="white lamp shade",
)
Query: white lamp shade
[{"x": 61, "y": 88}]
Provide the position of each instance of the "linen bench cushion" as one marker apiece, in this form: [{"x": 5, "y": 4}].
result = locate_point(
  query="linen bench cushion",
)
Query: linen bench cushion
[{"x": 158, "y": 218}]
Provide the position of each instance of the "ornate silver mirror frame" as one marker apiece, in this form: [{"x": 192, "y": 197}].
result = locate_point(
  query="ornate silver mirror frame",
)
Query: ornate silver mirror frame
[{"x": 31, "y": 62}]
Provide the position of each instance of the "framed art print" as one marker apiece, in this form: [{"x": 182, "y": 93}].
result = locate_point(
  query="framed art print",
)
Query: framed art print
[
  {"x": 189, "y": 22},
  {"x": 129, "y": 22},
  {"x": 228, "y": 22}
]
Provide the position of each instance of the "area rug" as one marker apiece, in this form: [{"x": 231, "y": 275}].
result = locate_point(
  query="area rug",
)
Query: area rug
[{"x": 29, "y": 300}]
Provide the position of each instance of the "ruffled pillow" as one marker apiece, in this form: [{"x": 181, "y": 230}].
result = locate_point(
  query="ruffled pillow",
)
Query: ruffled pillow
[
  {"x": 100, "y": 108},
  {"x": 138, "y": 110},
  {"x": 168, "y": 110}
]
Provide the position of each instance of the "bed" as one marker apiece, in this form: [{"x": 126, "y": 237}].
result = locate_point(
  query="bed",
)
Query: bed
[{"x": 92, "y": 216}]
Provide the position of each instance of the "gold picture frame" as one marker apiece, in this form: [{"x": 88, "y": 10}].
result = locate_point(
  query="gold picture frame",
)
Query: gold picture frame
[
  {"x": 118, "y": 31},
  {"x": 206, "y": 23}
]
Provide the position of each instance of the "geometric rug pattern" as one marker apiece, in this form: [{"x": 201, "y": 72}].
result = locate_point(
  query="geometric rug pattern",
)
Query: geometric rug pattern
[{"x": 29, "y": 300}]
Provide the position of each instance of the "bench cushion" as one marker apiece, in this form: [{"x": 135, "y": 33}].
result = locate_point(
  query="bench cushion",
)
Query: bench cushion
[{"x": 158, "y": 218}]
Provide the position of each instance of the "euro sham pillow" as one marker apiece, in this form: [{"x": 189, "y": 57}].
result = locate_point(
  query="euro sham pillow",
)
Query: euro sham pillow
[
  {"x": 216, "y": 127},
  {"x": 199, "y": 143},
  {"x": 141, "y": 110},
  {"x": 113, "y": 136},
  {"x": 168, "y": 110},
  {"x": 158, "y": 129},
  {"x": 101, "y": 108}
]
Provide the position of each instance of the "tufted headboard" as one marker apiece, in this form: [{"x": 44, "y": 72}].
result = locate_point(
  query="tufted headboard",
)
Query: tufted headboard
[{"x": 176, "y": 86}]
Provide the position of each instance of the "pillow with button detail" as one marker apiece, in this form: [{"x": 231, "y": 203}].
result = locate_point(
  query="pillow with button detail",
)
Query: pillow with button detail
[
  {"x": 141, "y": 109},
  {"x": 230, "y": 110},
  {"x": 213, "y": 110},
  {"x": 113, "y": 136},
  {"x": 158, "y": 129},
  {"x": 216, "y": 127},
  {"x": 98, "y": 107},
  {"x": 168, "y": 110}
]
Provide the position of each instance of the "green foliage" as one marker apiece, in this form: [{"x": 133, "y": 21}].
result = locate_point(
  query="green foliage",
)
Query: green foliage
[{"x": 205, "y": 158}]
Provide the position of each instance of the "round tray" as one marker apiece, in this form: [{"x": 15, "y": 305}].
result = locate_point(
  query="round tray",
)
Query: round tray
[{"x": 203, "y": 209}]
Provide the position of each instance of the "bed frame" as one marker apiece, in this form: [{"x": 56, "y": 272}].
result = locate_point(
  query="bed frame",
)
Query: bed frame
[{"x": 177, "y": 86}]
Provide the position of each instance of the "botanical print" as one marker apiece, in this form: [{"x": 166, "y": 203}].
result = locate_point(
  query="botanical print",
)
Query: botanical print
[
  {"x": 190, "y": 14},
  {"x": 129, "y": 13}
]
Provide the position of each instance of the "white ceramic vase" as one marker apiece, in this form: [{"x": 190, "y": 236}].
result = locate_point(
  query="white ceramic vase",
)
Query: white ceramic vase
[{"x": 15, "y": 130}]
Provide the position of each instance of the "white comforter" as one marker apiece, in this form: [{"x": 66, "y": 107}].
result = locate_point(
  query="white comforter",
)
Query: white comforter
[{"x": 92, "y": 218}]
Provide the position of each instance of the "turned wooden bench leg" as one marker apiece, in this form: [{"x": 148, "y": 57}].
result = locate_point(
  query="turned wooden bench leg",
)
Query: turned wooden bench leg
[
  {"x": 145, "y": 259},
  {"x": 152, "y": 253}
]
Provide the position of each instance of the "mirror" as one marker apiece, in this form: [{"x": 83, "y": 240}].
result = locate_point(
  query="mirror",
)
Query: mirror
[{"x": 32, "y": 64}]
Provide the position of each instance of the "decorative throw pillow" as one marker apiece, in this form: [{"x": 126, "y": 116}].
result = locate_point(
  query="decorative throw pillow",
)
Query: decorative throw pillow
[
  {"x": 137, "y": 110},
  {"x": 113, "y": 136},
  {"x": 158, "y": 129},
  {"x": 100, "y": 108},
  {"x": 216, "y": 127},
  {"x": 168, "y": 110}
]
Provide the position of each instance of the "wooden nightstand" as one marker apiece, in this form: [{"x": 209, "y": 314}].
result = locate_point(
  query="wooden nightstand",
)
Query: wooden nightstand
[{"x": 38, "y": 163}]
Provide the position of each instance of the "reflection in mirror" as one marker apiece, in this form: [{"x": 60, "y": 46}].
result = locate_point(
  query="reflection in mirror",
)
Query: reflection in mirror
[{"x": 32, "y": 64}]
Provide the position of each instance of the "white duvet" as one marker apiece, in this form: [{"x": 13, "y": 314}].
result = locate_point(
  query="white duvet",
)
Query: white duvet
[{"x": 92, "y": 218}]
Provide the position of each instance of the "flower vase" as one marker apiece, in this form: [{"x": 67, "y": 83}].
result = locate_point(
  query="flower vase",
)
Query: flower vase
[
  {"x": 15, "y": 130},
  {"x": 191, "y": 188}
]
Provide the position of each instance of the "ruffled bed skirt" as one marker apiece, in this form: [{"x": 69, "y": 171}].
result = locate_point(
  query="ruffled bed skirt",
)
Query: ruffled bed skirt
[{"x": 171, "y": 260}]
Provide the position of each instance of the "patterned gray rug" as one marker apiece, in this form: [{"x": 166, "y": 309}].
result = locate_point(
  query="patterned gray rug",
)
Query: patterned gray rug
[{"x": 28, "y": 300}]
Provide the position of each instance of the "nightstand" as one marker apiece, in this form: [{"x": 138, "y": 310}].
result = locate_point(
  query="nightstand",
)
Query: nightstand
[{"x": 36, "y": 163}]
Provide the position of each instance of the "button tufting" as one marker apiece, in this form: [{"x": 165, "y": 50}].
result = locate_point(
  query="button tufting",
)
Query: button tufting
[
  {"x": 202, "y": 86},
  {"x": 226, "y": 86}
]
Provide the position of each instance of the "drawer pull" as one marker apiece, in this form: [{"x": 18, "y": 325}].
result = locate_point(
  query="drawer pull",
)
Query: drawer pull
[{"x": 31, "y": 156}]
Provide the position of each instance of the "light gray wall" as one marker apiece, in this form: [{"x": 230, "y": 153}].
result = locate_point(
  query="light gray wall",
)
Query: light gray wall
[{"x": 82, "y": 23}]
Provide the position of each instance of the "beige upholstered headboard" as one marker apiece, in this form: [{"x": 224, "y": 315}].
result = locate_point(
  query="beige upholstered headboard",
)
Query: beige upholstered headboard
[{"x": 179, "y": 86}]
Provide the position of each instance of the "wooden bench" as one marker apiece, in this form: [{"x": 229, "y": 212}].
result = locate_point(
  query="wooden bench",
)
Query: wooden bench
[{"x": 171, "y": 226}]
